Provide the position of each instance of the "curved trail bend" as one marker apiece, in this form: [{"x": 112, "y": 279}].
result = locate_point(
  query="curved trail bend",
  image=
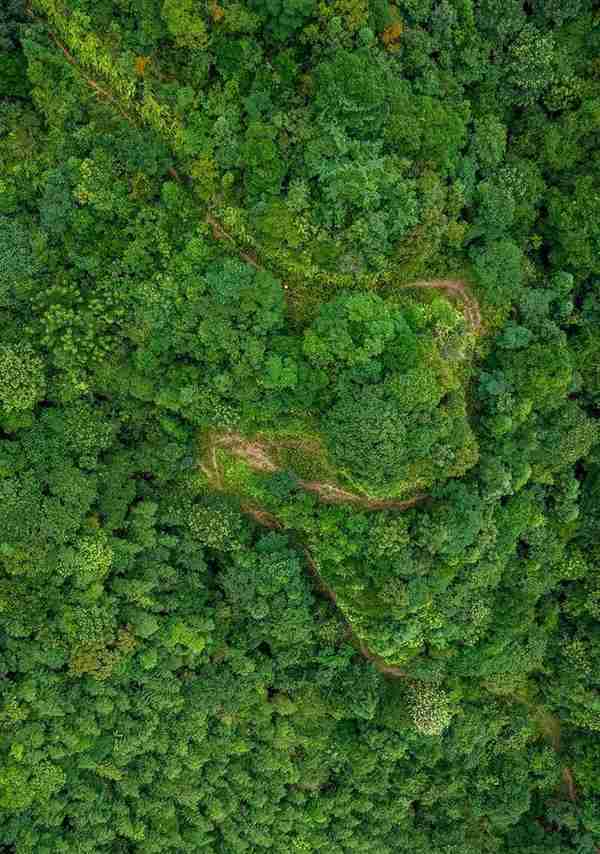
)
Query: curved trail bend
[
  {"x": 454, "y": 287},
  {"x": 457, "y": 288},
  {"x": 256, "y": 455},
  {"x": 253, "y": 452}
]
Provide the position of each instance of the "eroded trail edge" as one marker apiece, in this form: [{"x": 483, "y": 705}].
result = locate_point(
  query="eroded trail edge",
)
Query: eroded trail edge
[{"x": 456, "y": 288}]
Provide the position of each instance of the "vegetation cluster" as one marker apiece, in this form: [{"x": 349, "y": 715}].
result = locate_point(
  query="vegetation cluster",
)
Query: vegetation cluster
[{"x": 299, "y": 437}]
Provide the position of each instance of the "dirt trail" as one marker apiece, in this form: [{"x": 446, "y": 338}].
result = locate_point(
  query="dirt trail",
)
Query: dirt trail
[
  {"x": 253, "y": 452},
  {"x": 256, "y": 454},
  {"x": 331, "y": 494},
  {"x": 456, "y": 287},
  {"x": 219, "y": 233},
  {"x": 570, "y": 784},
  {"x": 100, "y": 91},
  {"x": 379, "y": 663}
]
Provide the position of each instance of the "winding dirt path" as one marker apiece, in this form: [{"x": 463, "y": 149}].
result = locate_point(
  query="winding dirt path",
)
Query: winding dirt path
[
  {"x": 268, "y": 520},
  {"x": 357, "y": 643},
  {"x": 457, "y": 288},
  {"x": 100, "y": 91},
  {"x": 219, "y": 233},
  {"x": 252, "y": 451},
  {"x": 454, "y": 287},
  {"x": 256, "y": 454}
]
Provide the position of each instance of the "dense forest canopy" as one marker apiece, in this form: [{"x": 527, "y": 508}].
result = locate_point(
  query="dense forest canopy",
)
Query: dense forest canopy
[{"x": 299, "y": 437}]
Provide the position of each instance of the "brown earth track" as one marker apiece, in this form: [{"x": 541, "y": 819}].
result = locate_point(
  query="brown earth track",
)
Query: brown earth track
[
  {"x": 569, "y": 782},
  {"x": 379, "y": 663},
  {"x": 253, "y": 452},
  {"x": 256, "y": 455},
  {"x": 264, "y": 518},
  {"x": 100, "y": 91},
  {"x": 268, "y": 520},
  {"x": 456, "y": 287},
  {"x": 360, "y": 646},
  {"x": 219, "y": 233},
  {"x": 330, "y": 494}
]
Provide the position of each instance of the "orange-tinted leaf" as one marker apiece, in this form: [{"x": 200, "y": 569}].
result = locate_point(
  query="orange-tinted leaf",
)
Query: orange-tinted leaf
[
  {"x": 392, "y": 33},
  {"x": 140, "y": 65},
  {"x": 217, "y": 12}
]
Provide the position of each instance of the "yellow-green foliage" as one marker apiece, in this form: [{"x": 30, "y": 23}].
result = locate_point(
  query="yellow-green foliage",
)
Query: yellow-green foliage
[{"x": 22, "y": 378}]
